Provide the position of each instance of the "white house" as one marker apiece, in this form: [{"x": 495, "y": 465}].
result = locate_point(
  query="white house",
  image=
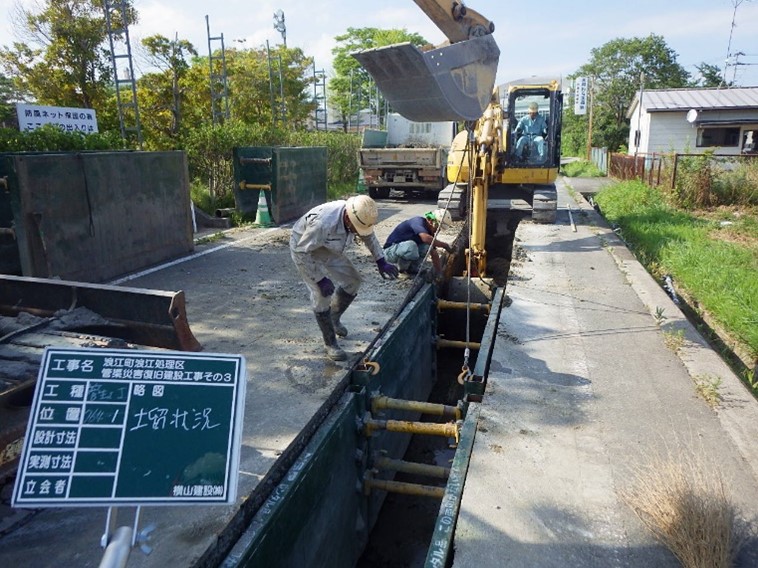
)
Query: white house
[{"x": 694, "y": 120}]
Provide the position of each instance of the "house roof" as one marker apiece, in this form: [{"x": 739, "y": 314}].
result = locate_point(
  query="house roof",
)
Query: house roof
[{"x": 662, "y": 100}]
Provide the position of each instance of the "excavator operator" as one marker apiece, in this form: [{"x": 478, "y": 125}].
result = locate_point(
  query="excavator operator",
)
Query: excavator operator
[{"x": 531, "y": 130}]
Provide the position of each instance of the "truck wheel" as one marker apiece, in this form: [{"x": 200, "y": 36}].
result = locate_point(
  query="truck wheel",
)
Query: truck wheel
[
  {"x": 373, "y": 193},
  {"x": 383, "y": 192}
]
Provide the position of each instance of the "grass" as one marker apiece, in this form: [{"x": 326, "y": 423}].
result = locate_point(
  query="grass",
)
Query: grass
[
  {"x": 581, "y": 168},
  {"x": 707, "y": 387},
  {"x": 684, "y": 502},
  {"x": 712, "y": 256}
]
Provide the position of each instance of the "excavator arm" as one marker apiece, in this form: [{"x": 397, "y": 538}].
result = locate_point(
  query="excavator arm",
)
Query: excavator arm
[
  {"x": 450, "y": 82},
  {"x": 455, "y": 20}
]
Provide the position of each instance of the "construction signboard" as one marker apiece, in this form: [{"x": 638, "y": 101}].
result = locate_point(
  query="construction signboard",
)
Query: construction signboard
[{"x": 133, "y": 427}]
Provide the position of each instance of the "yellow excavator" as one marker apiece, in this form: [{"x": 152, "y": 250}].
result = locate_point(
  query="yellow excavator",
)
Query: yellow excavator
[{"x": 499, "y": 164}]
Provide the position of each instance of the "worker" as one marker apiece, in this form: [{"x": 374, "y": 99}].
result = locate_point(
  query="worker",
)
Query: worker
[
  {"x": 317, "y": 247},
  {"x": 409, "y": 242},
  {"x": 531, "y": 126}
]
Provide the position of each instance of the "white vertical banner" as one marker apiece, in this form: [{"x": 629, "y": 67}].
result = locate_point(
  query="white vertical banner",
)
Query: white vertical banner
[{"x": 581, "y": 91}]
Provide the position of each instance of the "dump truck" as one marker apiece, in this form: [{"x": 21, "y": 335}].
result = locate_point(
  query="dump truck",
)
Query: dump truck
[{"x": 409, "y": 156}]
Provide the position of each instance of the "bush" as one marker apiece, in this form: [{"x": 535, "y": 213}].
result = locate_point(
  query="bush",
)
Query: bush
[
  {"x": 581, "y": 168},
  {"x": 49, "y": 138}
]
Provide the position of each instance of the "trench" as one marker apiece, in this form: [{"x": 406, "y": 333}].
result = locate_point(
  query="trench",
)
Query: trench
[{"x": 405, "y": 526}]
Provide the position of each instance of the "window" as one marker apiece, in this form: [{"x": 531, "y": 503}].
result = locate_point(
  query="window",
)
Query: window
[{"x": 707, "y": 137}]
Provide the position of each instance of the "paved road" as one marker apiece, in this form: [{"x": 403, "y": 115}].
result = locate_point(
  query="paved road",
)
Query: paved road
[
  {"x": 243, "y": 297},
  {"x": 582, "y": 390}
]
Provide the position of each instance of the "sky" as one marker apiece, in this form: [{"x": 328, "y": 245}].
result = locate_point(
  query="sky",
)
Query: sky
[{"x": 552, "y": 37}]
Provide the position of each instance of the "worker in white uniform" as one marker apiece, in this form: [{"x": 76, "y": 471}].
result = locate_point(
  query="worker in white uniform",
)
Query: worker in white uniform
[{"x": 317, "y": 246}]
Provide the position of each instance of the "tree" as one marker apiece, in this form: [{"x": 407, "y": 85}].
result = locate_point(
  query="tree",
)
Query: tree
[
  {"x": 710, "y": 76},
  {"x": 252, "y": 89},
  {"x": 350, "y": 88},
  {"x": 7, "y": 110},
  {"x": 617, "y": 69},
  {"x": 161, "y": 93},
  {"x": 63, "y": 62}
]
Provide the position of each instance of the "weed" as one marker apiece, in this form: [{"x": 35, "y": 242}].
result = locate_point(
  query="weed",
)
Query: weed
[
  {"x": 659, "y": 315},
  {"x": 674, "y": 340},
  {"x": 210, "y": 238},
  {"x": 707, "y": 387},
  {"x": 683, "y": 501}
]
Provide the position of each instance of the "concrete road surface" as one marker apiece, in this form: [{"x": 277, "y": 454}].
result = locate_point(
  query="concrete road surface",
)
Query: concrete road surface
[{"x": 582, "y": 390}]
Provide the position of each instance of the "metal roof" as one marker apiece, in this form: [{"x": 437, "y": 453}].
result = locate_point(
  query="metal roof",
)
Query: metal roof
[{"x": 660, "y": 100}]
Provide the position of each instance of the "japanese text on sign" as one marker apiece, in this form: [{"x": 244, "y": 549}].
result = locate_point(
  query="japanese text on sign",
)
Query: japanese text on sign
[
  {"x": 581, "y": 91},
  {"x": 66, "y": 119},
  {"x": 133, "y": 427}
]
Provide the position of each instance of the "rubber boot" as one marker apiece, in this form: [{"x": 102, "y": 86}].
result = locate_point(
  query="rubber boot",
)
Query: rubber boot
[
  {"x": 340, "y": 302},
  {"x": 333, "y": 350}
]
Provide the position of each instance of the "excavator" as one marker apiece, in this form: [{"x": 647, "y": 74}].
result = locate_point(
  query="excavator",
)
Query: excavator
[{"x": 494, "y": 167}]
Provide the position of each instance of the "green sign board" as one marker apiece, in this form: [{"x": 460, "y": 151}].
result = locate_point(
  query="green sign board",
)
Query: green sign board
[{"x": 133, "y": 427}]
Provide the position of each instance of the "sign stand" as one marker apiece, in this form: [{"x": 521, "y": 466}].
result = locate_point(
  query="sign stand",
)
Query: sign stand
[{"x": 104, "y": 422}]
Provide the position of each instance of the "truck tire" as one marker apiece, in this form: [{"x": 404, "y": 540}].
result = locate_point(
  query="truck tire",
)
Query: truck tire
[{"x": 378, "y": 192}]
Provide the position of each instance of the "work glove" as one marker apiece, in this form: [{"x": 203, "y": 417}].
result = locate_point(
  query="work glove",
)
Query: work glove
[
  {"x": 386, "y": 269},
  {"x": 326, "y": 286}
]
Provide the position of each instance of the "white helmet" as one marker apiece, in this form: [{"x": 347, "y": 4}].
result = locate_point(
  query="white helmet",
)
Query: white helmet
[
  {"x": 442, "y": 217},
  {"x": 363, "y": 214}
]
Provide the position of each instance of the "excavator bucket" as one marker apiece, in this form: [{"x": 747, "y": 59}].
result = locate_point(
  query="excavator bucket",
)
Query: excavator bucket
[
  {"x": 454, "y": 82},
  {"x": 153, "y": 318}
]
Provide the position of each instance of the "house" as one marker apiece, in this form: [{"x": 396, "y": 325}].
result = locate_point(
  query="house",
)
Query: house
[{"x": 694, "y": 121}]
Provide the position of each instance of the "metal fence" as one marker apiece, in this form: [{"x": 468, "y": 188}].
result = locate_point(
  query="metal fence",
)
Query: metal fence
[{"x": 666, "y": 169}]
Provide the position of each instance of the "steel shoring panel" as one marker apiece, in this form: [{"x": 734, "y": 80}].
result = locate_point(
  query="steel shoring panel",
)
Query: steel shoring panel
[
  {"x": 316, "y": 516},
  {"x": 444, "y": 528}
]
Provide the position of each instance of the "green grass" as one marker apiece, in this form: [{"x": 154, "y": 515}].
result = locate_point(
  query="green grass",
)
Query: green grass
[
  {"x": 716, "y": 264},
  {"x": 581, "y": 168}
]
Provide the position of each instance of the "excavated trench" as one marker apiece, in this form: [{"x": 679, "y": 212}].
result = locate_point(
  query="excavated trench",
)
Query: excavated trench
[{"x": 405, "y": 526}]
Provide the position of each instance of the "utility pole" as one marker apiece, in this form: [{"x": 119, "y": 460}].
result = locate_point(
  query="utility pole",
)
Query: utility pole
[{"x": 638, "y": 132}]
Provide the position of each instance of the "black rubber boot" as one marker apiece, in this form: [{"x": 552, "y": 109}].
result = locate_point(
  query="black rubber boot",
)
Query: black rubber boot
[
  {"x": 340, "y": 302},
  {"x": 333, "y": 350}
]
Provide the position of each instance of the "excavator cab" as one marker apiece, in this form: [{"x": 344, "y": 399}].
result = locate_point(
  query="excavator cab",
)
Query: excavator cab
[
  {"x": 453, "y": 81},
  {"x": 532, "y": 124}
]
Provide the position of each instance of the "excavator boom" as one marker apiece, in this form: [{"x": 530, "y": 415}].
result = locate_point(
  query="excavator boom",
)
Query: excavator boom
[{"x": 450, "y": 82}]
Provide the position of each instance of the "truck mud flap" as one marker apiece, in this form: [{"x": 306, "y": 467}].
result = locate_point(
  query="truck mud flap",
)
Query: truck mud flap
[
  {"x": 454, "y": 82},
  {"x": 147, "y": 317}
]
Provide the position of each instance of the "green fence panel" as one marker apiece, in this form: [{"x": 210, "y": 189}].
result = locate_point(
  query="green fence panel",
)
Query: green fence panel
[
  {"x": 293, "y": 180},
  {"x": 93, "y": 216}
]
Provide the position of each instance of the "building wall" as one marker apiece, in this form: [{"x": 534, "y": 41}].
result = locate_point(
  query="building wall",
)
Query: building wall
[{"x": 665, "y": 132}]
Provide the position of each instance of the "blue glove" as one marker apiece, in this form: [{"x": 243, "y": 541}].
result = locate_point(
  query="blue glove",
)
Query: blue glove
[
  {"x": 326, "y": 286},
  {"x": 386, "y": 269}
]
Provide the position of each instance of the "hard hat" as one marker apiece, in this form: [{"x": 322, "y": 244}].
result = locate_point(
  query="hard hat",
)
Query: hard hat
[
  {"x": 534, "y": 106},
  {"x": 440, "y": 217},
  {"x": 363, "y": 214}
]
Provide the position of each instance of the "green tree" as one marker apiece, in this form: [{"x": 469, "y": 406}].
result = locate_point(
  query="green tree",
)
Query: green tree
[
  {"x": 350, "y": 89},
  {"x": 161, "y": 93},
  {"x": 252, "y": 89},
  {"x": 617, "y": 69},
  {"x": 710, "y": 76},
  {"x": 7, "y": 109},
  {"x": 63, "y": 62}
]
